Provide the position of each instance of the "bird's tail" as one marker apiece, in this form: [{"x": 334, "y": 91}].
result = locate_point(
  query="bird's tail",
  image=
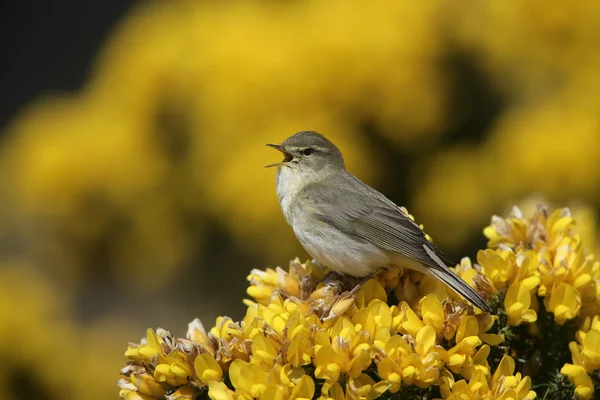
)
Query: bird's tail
[{"x": 446, "y": 275}]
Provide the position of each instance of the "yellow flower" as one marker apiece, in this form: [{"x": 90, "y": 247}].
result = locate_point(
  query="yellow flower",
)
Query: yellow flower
[
  {"x": 183, "y": 393},
  {"x": 333, "y": 392},
  {"x": 565, "y": 302},
  {"x": 341, "y": 306},
  {"x": 517, "y": 302},
  {"x": 361, "y": 388},
  {"x": 499, "y": 266},
  {"x": 510, "y": 231},
  {"x": 220, "y": 391},
  {"x": 371, "y": 290},
  {"x": 573, "y": 266},
  {"x": 428, "y": 284},
  {"x": 390, "y": 368},
  {"x": 264, "y": 351},
  {"x": 304, "y": 389},
  {"x": 586, "y": 358},
  {"x": 146, "y": 384},
  {"x": 589, "y": 357},
  {"x": 431, "y": 355},
  {"x": 454, "y": 314},
  {"x": 329, "y": 304},
  {"x": 341, "y": 349},
  {"x": 464, "y": 358},
  {"x": 341, "y": 335},
  {"x": 409, "y": 285},
  {"x": 207, "y": 368},
  {"x": 197, "y": 335},
  {"x": 221, "y": 328},
  {"x": 390, "y": 278},
  {"x": 409, "y": 320},
  {"x": 300, "y": 348},
  {"x": 558, "y": 226},
  {"x": 288, "y": 382},
  {"x": 300, "y": 351},
  {"x": 288, "y": 283},
  {"x": 249, "y": 379},
  {"x": 421, "y": 366},
  {"x": 541, "y": 230},
  {"x": 364, "y": 387},
  {"x": 585, "y": 277},
  {"x": 286, "y": 375},
  {"x": 473, "y": 276},
  {"x": 486, "y": 321},
  {"x": 142, "y": 383},
  {"x": 477, "y": 388},
  {"x": 133, "y": 395},
  {"x": 254, "y": 321},
  {"x": 588, "y": 324},
  {"x": 509, "y": 385},
  {"x": 377, "y": 317},
  {"x": 175, "y": 371},
  {"x": 262, "y": 284},
  {"x": 528, "y": 262},
  {"x": 151, "y": 349},
  {"x": 501, "y": 385},
  {"x": 432, "y": 312},
  {"x": 590, "y": 353},
  {"x": 584, "y": 387}
]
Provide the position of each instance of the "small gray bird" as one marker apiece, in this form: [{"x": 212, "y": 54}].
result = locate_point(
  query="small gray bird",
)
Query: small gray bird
[{"x": 347, "y": 225}]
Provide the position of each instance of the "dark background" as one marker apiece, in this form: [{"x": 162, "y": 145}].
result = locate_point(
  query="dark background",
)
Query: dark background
[{"x": 50, "y": 46}]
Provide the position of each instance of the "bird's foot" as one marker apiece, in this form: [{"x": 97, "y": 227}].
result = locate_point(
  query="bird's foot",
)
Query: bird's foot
[
  {"x": 333, "y": 278},
  {"x": 334, "y": 281},
  {"x": 343, "y": 282}
]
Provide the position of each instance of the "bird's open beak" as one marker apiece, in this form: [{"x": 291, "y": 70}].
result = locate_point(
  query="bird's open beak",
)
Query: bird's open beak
[{"x": 287, "y": 159}]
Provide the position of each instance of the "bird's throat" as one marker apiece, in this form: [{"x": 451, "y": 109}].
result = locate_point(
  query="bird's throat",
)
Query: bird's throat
[{"x": 289, "y": 184}]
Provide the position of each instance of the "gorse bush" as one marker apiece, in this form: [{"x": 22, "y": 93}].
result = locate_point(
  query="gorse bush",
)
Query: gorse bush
[{"x": 403, "y": 334}]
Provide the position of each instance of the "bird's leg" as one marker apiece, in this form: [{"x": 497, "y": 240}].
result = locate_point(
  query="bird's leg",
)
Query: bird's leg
[
  {"x": 342, "y": 281},
  {"x": 361, "y": 284},
  {"x": 332, "y": 277},
  {"x": 334, "y": 280}
]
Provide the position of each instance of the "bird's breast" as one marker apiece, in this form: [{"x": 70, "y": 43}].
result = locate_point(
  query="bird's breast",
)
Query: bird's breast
[
  {"x": 333, "y": 248},
  {"x": 338, "y": 251}
]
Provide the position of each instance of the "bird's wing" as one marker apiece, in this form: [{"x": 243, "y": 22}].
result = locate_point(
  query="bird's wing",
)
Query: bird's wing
[
  {"x": 365, "y": 213},
  {"x": 369, "y": 215}
]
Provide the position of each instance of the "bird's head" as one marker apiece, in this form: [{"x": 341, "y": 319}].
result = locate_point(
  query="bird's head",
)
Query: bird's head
[{"x": 309, "y": 152}]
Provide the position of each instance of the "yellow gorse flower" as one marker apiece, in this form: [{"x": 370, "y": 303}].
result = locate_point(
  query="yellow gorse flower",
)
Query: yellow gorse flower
[
  {"x": 499, "y": 266},
  {"x": 502, "y": 385},
  {"x": 207, "y": 369},
  {"x": 151, "y": 349},
  {"x": 291, "y": 326},
  {"x": 341, "y": 349},
  {"x": 175, "y": 371},
  {"x": 301, "y": 339},
  {"x": 584, "y": 387},
  {"x": 519, "y": 299},
  {"x": 586, "y": 358},
  {"x": 547, "y": 253},
  {"x": 142, "y": 384}
]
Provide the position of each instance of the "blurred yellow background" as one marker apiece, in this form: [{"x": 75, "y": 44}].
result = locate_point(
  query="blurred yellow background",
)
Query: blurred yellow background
[{"x": 141, "y": 200}]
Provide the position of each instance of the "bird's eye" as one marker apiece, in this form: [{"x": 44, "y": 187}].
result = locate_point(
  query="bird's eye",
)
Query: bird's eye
[{"x": 308, "y": 151}]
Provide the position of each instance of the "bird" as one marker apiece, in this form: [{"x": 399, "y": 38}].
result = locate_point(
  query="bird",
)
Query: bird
[{"x": 348, "y": 226}]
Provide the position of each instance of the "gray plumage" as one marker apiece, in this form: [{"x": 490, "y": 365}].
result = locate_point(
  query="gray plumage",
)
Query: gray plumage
[{"x": 347, "y": 225}]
